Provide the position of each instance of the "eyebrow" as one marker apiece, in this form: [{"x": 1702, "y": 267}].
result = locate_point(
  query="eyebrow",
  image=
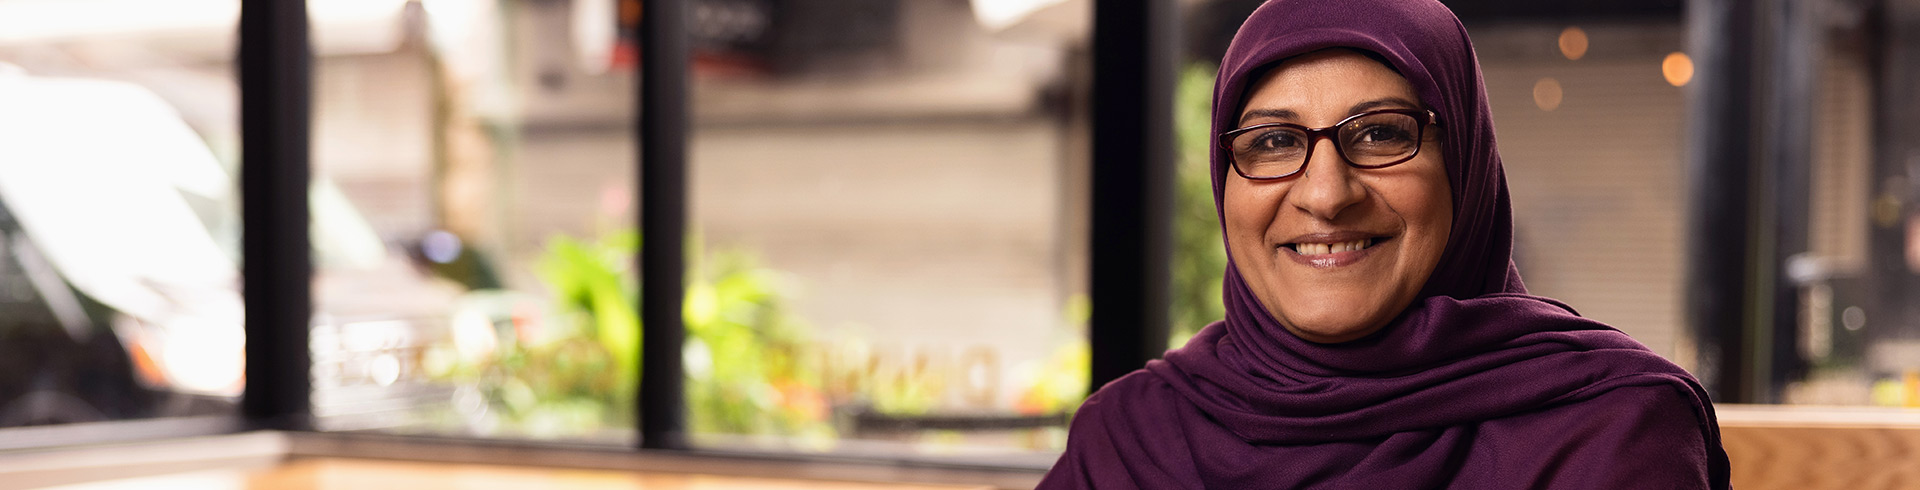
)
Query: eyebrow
[{"x": 1284, "y": 114}]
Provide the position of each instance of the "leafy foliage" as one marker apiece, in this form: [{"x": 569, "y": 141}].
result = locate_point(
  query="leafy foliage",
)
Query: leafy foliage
[
  {"x": 744, "y": 352},
  {"x": 1060, "y": 383},
  {"x": 1199, "y": 257}
]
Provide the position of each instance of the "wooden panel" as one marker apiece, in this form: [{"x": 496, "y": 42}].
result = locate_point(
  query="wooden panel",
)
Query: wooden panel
[
  {"x": 343, "y": 474},
  {"x": 1821, "y": 448},
  {"x": 1815, "y": 458}
]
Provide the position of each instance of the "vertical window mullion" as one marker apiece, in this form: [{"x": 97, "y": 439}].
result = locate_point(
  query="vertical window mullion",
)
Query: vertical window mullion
[
  {"x": 662, "y": 80},
  {"x": 276, "y": 105},
  {"x": 1133, "y": 68}
]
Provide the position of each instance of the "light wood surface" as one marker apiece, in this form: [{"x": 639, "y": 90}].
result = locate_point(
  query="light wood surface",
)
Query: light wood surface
[
  {"x": 1771, "y": 447},
  {"x": 1813, "y": 448},
  {"x": 358, "y": 474}
]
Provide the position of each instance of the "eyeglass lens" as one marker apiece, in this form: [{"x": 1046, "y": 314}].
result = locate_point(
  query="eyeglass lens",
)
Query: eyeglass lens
[{"x": 1372, "y": 140}]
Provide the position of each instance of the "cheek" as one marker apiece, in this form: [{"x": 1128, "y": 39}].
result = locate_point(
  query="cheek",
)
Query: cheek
[
  {"x": 1428, "y": 203},
  {"x": 1248, "y": 211}
]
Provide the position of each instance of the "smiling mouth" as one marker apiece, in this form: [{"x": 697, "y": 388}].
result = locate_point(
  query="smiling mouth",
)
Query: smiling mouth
[{"x": 1310, "y": 249}]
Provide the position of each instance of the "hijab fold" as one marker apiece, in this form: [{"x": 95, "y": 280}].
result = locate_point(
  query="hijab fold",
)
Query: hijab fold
[{"x": 1472, "y": 386}]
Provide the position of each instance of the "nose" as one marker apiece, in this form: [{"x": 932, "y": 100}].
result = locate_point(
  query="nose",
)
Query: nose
[{"x": 1328, "y": 185}]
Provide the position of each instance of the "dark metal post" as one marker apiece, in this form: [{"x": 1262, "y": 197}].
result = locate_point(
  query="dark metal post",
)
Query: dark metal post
[
  {"x": 276, "y": 102},
  {"x": 1720, "y": 159},
  {"x": 663, "y": 220},
  {"x": 1796, "y": 25},
  {"x": 1134, "y": 44}
]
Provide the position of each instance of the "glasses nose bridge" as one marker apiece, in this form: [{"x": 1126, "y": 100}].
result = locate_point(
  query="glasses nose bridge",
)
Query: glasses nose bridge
[{"x": 1332, "y": 134}]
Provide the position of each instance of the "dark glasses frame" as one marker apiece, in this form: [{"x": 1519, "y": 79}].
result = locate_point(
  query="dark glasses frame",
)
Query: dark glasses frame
[{"x": 1423, "y": 117}]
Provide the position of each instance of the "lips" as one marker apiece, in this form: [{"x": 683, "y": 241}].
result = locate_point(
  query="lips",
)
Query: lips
[
  {"x": 1333, "y": 243},
  {"x": 1332, "y": 248}
]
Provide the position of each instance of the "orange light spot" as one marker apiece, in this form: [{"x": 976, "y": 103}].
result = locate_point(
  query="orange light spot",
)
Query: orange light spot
[
  {"x": 1547, "y": 94},
  {"x": 1573, "y": 43},
  {"x": 1678, "y": 68}
]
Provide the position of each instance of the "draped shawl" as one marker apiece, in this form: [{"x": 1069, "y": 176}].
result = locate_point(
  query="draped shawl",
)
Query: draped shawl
[{"x": 1475, "y": 385}]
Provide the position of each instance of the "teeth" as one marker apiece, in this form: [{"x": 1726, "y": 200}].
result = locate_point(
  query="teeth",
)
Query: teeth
[{"x": 1329, "y": 248}]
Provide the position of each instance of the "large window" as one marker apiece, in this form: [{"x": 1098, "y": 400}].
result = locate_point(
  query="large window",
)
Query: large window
[
  {"x": 473, "y": 210},
  {"x": 119, "y": 292},
  {"x": 887, "y": 205},
  {"x": 886, "y": 249}
]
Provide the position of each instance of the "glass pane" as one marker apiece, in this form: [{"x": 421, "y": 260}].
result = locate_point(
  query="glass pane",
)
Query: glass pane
[
  {"x": 891, "y": 204},
  {"x": 473, "y": 166},
  {"x": 119, "y": 285}
]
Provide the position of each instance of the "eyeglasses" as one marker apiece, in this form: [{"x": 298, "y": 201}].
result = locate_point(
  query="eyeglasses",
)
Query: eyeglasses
[{"x": 1373, "y": 139}]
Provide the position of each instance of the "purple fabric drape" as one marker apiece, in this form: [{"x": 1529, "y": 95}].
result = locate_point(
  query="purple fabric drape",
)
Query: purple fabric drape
[{"x": 1475, "y": 385}]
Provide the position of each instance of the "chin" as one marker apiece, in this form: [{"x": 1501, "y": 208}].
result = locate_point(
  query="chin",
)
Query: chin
[{"x": 1331, "y": 325}]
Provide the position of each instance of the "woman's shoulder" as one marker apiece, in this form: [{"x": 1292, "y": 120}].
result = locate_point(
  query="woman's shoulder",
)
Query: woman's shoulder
[
  {"x": 1129, "y": 434},
  {"x": 1125, "y": 396},
  {"x": 1142, "y": 414},
  {"x": 1628, "y": 407},
  {"x": 1628, "y": 436}
]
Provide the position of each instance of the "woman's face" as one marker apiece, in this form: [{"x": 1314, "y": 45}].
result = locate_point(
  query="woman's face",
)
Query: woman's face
[{"x": 1294, "y": 239}]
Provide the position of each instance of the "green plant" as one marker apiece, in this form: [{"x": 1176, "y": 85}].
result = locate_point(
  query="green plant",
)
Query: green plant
[
  {"x": 566, "y": 373},
  {"x": 593, "y": 291},
  {"x": 1199, "y": 257},
  {"x": 745, "y": 352},
  {"x": 1060, "y": 383},
  {"x": 578, "y": 370}
]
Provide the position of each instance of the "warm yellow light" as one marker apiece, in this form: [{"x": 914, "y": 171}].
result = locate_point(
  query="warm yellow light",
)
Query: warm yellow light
[
  {"x": 1547, "y": 94},
  {"x": 1678, "y": 68},
  {"x": 1573, "y": 43}
]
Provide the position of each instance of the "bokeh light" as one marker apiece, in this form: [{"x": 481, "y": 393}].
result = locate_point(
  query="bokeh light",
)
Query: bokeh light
[
  {"x": 1547, "y": 94},
  {"x": 1573, "y": 43},
  {"x": 1678, "y": 68}
]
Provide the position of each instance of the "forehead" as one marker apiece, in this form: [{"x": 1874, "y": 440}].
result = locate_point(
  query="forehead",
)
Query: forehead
[{"x": 1326, "y": 84}]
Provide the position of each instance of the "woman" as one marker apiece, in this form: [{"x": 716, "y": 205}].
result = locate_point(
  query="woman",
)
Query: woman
[{"x": 1377, "y": 334}]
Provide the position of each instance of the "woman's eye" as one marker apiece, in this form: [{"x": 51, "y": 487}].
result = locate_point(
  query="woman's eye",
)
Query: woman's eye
[
  {"x": 1276, "y": 140},
  {"x": 1383, "y": 134}
]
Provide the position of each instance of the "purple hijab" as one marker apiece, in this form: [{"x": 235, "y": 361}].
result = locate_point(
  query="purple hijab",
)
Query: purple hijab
[{"x": 1475, "y": 385}]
